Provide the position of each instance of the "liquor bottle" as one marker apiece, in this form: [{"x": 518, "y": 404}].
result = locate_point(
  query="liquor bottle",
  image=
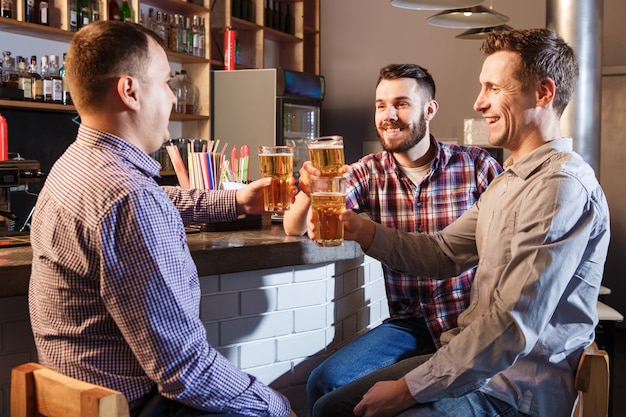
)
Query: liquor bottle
[
  {"x": 289, "y": 21},
  {"x": 192, "y": 93},
  {"x": 30, "y": 11},
  {"x": 184, "y": 33},
  {"x": 160, "y": 26},
  {"x": 46, "y": 81},
  {"x": 36, "y": 81},
  {"x": 7, "y": 9},
  {"x": 275, "y": 16},
  {"x": 66, "y": 98},
  {"x": 84, "y": 13},
  {"x": 180, "y": 92},
  {"x": 43, "y": 13},
  {"x": 150, "y": 22},
  {"x": 95, "y": 10},
  {"x": 237, "y": 52},
  {"x": 57, "y": 81},
  {"x": 9, "y": 75},
  {"x": 235, "y": 6},
  {"x": 126, "y": 13},
  {"x": 251, "y": 9},
  {"x": 267, "y": 14},
  {"x": 201, "y": 38},
  {"x": 23, "y": 77},
  {"x": 114, "y": 10}
]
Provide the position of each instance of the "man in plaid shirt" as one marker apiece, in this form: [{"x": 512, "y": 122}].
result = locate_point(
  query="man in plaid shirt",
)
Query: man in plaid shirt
[{"x": 417, "y": 185}]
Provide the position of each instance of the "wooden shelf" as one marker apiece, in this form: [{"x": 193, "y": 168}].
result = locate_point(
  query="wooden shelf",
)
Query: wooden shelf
[
  {"x": 36, "y": 105},
  {"x": 34, "y": 30}
]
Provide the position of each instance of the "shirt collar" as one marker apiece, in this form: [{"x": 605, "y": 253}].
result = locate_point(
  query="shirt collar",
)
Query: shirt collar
[
  {"x": 529, "y": 163},
  {"x": 118, "y": 146}
]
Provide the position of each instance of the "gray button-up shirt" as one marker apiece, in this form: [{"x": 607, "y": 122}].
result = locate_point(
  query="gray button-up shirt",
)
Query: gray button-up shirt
[{"x": 539, "y": 236}]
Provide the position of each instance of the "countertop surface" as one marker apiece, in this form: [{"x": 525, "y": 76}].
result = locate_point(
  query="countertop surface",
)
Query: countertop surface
[{"x": 214, "y": 253}]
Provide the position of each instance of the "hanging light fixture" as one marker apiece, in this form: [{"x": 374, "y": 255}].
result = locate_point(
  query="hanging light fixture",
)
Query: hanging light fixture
[
  {"x": 434, "y": 4},
  {"x": 468, "y": 18},
  {"x": 481, "y": 33}
]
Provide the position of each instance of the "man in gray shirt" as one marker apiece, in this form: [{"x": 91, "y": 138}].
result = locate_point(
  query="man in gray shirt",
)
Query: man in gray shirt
[{"x": 539, "y": 235}]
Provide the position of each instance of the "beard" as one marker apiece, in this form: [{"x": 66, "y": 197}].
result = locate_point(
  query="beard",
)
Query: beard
[{"x": 416, "y": 134}]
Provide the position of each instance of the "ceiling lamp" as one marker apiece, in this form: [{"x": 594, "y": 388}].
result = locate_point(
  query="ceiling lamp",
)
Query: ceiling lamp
[
  {"x": 481, "y": 33},
  {"x": 468, "y": 18},
  {"x": 434, "y": 4}
]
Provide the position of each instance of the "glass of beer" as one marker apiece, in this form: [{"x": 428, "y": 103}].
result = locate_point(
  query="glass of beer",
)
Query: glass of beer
[
  {"x": 328, "y": 199},
  {"x": 326, "y": 154},
  {"x": 277, "y": 162}
]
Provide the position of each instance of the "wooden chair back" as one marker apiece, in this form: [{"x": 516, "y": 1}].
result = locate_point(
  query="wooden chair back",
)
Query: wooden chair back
[
  {"x": 39, "y": 391},
  {"x": 592, "y": 383}
]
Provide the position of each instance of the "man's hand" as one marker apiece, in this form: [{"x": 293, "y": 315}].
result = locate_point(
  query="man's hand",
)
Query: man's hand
[
  {"x": 307, "y": 171},
  {"x": 355, "y": 227},
  {"x": 385, "y": 399},
  {"x": 249, "y": 199}
]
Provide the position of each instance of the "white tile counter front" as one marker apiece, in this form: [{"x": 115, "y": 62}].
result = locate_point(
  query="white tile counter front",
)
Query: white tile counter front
[{"x": 278, "y": 324}]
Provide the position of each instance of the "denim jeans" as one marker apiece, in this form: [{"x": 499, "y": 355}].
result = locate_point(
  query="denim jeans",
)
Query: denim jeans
[
  {"x": 384, "y": 345},
  {"x": 341, "y": 402}
]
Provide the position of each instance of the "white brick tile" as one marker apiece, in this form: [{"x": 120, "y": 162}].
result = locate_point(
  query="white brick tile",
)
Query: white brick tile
[
  {"x": 258, "y": 301},
  {"x": 256, "y": 279},
  {"x": 315, "y": 272},
  {"x": 270, "y": 373},
  {"x": 219, "y": 306},
  {"x": 301, "y": 295},
  {"x": 209, "y": 284},
  {"x": 258, "y": 353},
  {"x": 231, "y": 353},
  {"x": 310, "y": 318},
  {"x": 301, "y": 345},
  {"x": 256, "y": 328}
]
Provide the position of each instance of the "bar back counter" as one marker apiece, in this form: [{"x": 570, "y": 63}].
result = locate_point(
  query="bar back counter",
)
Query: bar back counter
[{"x": 274, "y": 305}]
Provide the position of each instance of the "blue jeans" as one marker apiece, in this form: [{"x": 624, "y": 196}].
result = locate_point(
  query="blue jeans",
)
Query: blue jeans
[
  {"x": 341, "y": 402},
  {"x": 382, "y": 346}
]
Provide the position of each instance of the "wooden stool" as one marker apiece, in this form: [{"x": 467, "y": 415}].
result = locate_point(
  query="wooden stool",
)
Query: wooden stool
[
  {"x": 592, "y": 383},
  {"x": 39, "y": 391}
]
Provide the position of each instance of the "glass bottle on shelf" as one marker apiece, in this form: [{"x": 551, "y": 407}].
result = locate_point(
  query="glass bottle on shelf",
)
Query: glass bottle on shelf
[
  {"x": 84, "y": 13},
  {"x": 23, "y": 77},
  {"x": 30, "y": 11},
  {"x": 9, "y": 75},
  {"x": 36, "y": 80},
  {"x": 57, "y": 81},
  {"x": 66, "y": 98},
  {"x": 126, "y": 13},
  {"x": 95, "y": 10},
  {"x": 192, "y": 94},
  {"x": 43, "y": 13},
  {"x": 46, "y": 79},
  {"x": 267, "y": 14},
  {"x": 7, "y": 9},
  {"x": 114, "y": 10},
  {"x": 289, "y": 21},
  {"x": 180, "y": 92}
]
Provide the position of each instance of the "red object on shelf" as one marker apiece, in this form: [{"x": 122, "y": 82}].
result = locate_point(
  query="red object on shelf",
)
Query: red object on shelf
[
  {"x": 4, "y": 139},
  {"x": 230, "y": 40}
]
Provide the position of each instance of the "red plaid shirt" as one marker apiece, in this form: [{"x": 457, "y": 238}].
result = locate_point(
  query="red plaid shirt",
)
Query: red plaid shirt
[{"x": 458, "y": 175}]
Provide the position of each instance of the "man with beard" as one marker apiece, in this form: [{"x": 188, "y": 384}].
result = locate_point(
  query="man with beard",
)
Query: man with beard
[{"x": 416, "y": 185}]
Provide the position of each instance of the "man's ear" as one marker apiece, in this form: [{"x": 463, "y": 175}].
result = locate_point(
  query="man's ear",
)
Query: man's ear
[
  {"x": 127, "y": 91},
  {"x": 546, "y": 90},
  {"x": 431, "y": 110}
]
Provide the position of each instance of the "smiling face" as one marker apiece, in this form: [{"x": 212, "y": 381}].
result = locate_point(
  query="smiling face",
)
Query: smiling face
[
  {"x": 510, "y": 110},
  {"x": 401, "y": 114}
]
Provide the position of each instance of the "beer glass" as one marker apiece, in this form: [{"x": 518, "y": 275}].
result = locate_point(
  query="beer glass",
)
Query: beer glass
[
  {"x": 326, "y": 154},
  {"x": 328, "y": 199},
  {"x": 277, "y": 162}
]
